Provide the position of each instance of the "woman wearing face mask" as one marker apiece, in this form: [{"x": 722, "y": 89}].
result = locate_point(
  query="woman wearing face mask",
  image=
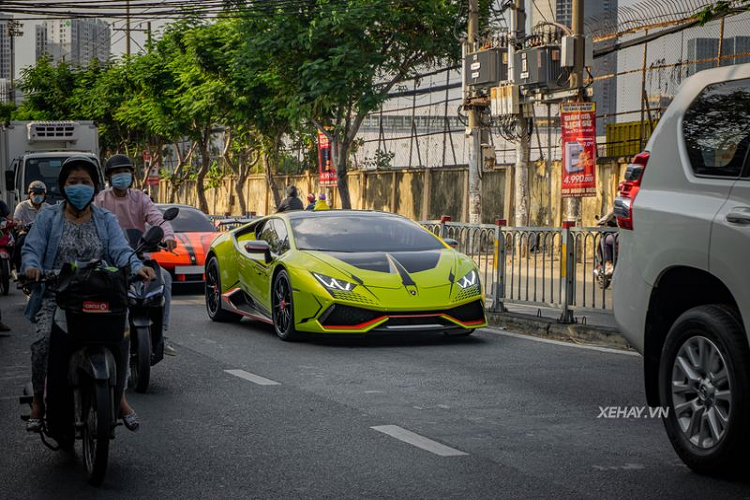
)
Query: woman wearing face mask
[{"x": 71, "y": 231}]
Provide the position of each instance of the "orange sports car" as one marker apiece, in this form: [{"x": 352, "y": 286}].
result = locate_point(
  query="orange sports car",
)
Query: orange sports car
[{"x": 194, "y": 233}]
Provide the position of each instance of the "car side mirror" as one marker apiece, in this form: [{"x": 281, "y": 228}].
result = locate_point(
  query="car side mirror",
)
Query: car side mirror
[
  {"x": 451, "y": 242},
  {"x": 10, "y": 180},
  {"x": 259, "y": 247},
  {"x": 171, "y": 213}
]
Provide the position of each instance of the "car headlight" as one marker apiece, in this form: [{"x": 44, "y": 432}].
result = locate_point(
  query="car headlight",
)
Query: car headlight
[
  {"x": 470, "y": 279},
  {"x": 334, "y": 284}
]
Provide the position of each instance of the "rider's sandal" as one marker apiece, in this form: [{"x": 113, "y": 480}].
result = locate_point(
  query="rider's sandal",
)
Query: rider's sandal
[
  {"x": 34, "y": 424},
  {"x": 131, "y": 421}
]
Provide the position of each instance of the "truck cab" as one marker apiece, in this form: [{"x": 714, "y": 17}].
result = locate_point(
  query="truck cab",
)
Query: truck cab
[
  {"x": 43, "y": 167},
  {"x": 35, "y": 150}
]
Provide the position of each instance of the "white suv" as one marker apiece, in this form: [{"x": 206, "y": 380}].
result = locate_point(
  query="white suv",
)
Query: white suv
[{"x": 682, "y": 280}]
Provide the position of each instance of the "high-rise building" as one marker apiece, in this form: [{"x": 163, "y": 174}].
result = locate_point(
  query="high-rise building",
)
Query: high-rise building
[
  {"x": 706, "y": 50},
  {"x": 561, "y": 11},
  {"x": 41, "y": 41},
  {"x": 75, "y": 41},
  {"x": 540, "y": 11},
  {"x": 5, "y": 53}
]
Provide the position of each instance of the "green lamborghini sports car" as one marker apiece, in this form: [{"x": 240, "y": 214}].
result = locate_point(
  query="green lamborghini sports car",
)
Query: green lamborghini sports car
[{"x": 342, "y": 271}]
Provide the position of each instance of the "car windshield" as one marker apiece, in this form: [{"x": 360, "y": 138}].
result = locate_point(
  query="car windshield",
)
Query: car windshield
[
  {"x": 190, "y": 220},
  {"x": 353, "y": 233}
]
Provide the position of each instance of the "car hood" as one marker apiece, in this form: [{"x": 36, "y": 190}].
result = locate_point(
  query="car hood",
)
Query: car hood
[
  {"x": 393, "y": 270},
  {"x": 191, "y": 250}
]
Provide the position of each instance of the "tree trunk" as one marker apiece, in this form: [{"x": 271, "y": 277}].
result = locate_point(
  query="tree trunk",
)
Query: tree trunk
[
  {"x": 242, "y": 171},
  {"x": 270, "y": 181},
  {"x": 342, "y": 150},
  {"x": 201, "y": 178}
]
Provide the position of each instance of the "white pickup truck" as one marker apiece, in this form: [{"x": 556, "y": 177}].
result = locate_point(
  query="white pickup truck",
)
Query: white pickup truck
[{"x": 35, "y": 150}]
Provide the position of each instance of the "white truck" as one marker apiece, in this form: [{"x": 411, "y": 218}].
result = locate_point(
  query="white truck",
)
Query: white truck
[{"x": 35, "y": 150}]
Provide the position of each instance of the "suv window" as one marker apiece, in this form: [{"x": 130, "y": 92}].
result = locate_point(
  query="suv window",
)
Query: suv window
[{"x": 717, "y": 129}]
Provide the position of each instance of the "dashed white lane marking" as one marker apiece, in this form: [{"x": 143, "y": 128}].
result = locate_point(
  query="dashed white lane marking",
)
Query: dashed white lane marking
[
  {"x": 255, "y": 379},
  {"x": 560, "y": 342},
  {"x": 419, "y": 441}
]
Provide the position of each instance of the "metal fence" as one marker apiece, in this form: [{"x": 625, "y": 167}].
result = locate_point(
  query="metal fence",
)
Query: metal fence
[{"x": 555, "y": 268}]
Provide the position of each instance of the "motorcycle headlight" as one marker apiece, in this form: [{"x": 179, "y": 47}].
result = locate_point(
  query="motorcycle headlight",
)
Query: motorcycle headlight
[
  {"x": 470, "y": 279},
  {"x": 334, "y": 284},
  {"x": 156, "y": 291}
]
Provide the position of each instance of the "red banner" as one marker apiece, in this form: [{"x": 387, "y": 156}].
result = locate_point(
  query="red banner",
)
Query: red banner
[
  {"x": 326, "y": 172},
  {"x": 579, "y": 149}
]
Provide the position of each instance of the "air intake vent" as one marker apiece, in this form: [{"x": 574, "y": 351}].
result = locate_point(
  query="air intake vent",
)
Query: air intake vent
[{"x": 53, "y": 131}]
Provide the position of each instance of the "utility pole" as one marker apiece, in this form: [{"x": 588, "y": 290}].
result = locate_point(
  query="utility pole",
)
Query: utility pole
[
  {"x": 523, "y": 141},
  {"x": 148, "y": 36},
  {"x": 573, "y": 205},
  {"x": 127, "y": 27},
  {"x": 473, "y": 131},
  {"x": 13, "y": 30}
]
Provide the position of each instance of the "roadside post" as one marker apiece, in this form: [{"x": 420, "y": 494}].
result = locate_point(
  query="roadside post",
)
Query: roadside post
[
  {"x": 498, "y": 287},
  {"x": 567, "y": 272}
]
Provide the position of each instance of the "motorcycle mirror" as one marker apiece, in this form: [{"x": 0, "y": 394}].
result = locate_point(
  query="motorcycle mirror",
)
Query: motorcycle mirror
[
  {"x": 171, "y": 213},
  {"x": 153, "y": 236}
]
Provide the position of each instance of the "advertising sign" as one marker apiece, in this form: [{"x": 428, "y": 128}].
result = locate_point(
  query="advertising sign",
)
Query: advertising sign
[
  {"x": 579, "y": 149},
  {"x": 326, "y": 171}
]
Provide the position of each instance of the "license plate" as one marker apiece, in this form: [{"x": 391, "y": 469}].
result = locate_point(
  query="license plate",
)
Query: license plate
[{"x": 188, "y": 270}]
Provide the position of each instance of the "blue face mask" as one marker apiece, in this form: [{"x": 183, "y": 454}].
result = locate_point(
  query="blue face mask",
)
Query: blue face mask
[
  {"x": 121, "y": 181},
  {"x": 37, "y": 199},
  {"x": 79, "y": 195}
]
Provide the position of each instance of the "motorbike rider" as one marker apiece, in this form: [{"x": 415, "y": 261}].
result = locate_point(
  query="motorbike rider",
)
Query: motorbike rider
[
  {"x": 291, "y": 202},
  {"x": 321, "y": 204},
  {"x": 68, "y": 232},
  {"x": 608, "y": 241},
  {"x": 310, "y": 201},
  {"x": 26, "y": 212},
  {"x": 134, "y": 209}
]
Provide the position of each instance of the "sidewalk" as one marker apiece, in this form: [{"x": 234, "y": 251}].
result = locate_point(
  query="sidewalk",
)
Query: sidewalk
[{"x": 592, "y": 328}]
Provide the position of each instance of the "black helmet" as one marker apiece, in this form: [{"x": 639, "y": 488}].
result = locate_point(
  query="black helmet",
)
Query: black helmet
[
  {"x": 75, "y": 163},
  {"x": 291, "y": 191},
  {"x": 118, "y": 161}
]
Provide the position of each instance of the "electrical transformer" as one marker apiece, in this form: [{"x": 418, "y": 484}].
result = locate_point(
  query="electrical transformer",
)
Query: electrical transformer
[
  {"x": 486, "y": 68},
  {"x": 539, "y": 67}
]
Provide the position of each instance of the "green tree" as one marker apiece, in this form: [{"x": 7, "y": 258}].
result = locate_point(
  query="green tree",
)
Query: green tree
[
  {"x": 48, "y": 92},
  {"x": 335, "y": 62}
]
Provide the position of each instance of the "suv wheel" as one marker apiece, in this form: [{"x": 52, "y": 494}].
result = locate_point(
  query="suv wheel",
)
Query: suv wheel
[{"x": 704, "y": 380}]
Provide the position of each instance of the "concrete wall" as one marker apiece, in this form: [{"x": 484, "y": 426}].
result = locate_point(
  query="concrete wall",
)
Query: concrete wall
[{"x": 421, "y": 193}]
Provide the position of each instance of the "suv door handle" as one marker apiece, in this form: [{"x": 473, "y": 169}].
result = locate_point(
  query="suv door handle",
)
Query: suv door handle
[{"x": 736, "y": 217}]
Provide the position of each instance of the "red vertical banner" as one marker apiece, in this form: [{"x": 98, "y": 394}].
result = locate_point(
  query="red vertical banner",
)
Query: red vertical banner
[
  {"x": 579, "y": 149},
  {"x": 326, "y": 172}
]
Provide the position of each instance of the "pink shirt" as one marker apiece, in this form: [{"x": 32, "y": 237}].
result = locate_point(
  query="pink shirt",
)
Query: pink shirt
[{"x": 134, "y": 210}]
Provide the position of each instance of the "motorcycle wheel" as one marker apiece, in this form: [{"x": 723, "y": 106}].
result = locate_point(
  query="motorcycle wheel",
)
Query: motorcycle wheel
[
  {"x": 96, "y": 430},
  {"x": 140, "y": 360},
  {"x": 5, "y": 276}
]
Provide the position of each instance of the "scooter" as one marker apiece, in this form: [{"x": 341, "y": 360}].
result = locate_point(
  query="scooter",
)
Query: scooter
[
  {"x": 146, "y": 304},
  {"x": 602, "y": 277},
  {"x": 7, "y": 244},
  {"x": 86, "y": 344}
]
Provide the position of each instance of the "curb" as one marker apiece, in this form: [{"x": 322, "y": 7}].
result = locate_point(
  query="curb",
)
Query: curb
[{"x": 549, "y": 328}]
